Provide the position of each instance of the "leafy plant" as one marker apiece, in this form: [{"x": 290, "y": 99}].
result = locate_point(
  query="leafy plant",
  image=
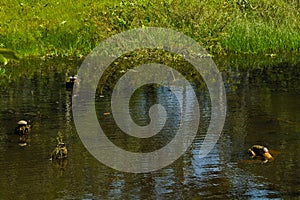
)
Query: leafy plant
[
  {"x": 60, "y": 150},
  {"x": 6, "y": 54},
  {"x": 61, "y": 28},
  {"x": 59, "y": 137}
]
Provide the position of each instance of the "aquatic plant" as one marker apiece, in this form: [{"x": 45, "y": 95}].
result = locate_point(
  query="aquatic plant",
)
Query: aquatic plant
[
  {"x": 59, "y": 137},
  {"x": 60, "y": 150}
]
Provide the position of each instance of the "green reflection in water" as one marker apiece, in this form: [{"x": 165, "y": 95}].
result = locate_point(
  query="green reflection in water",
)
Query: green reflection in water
[{"x": 263, "y": 98}]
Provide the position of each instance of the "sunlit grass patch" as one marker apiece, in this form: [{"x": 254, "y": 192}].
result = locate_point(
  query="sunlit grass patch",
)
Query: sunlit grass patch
[{"x": 74, "y": 28}]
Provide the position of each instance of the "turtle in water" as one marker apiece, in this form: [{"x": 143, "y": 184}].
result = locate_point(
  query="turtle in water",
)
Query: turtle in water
[
  {"x": 23, "y": 129},
  {"x": 71, "y": 80},
  {"x": 260, "y": 152}
]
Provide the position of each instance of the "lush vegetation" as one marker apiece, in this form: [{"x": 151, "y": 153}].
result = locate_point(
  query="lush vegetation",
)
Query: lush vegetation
[{"x": 73, "y": 28}]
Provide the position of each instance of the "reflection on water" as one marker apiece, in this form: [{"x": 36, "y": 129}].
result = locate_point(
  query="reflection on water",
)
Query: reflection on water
[{"x": 263, "y": 108}]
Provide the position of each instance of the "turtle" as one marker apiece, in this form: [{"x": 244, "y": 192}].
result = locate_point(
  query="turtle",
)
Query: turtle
[
  {"x": 261, "y": 152},
  {"x": 22, "y": 122},
  {"x": 23, "y": 128},
  {"x": 71, "y": 80}
]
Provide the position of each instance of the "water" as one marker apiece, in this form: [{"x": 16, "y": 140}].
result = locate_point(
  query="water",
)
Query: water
[{"x": 263, "y": 108}]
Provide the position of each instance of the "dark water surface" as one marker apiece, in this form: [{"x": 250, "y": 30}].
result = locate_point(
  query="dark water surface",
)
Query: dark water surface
[{"x": 263, "y": 108}]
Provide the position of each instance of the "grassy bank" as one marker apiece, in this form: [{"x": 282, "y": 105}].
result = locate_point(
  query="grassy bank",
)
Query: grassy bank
[{"x": 74, "y": 28}]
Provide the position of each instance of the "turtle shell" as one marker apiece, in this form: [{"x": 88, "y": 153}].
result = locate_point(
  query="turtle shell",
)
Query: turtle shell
[{"x": 22, "y": 122}]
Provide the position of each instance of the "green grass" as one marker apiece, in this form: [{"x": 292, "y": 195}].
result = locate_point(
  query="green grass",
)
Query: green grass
[{"x": 74, "y": 28}]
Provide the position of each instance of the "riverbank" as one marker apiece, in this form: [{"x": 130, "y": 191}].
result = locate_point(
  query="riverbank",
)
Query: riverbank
[{"x": 64, "y": 28}]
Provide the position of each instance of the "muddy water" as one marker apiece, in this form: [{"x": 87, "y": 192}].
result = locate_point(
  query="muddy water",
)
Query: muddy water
[{"x": 263, "y": 108}]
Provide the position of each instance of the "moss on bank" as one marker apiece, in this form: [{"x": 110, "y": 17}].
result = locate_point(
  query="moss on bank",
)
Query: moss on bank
[{"x": 74, "y": 28}]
